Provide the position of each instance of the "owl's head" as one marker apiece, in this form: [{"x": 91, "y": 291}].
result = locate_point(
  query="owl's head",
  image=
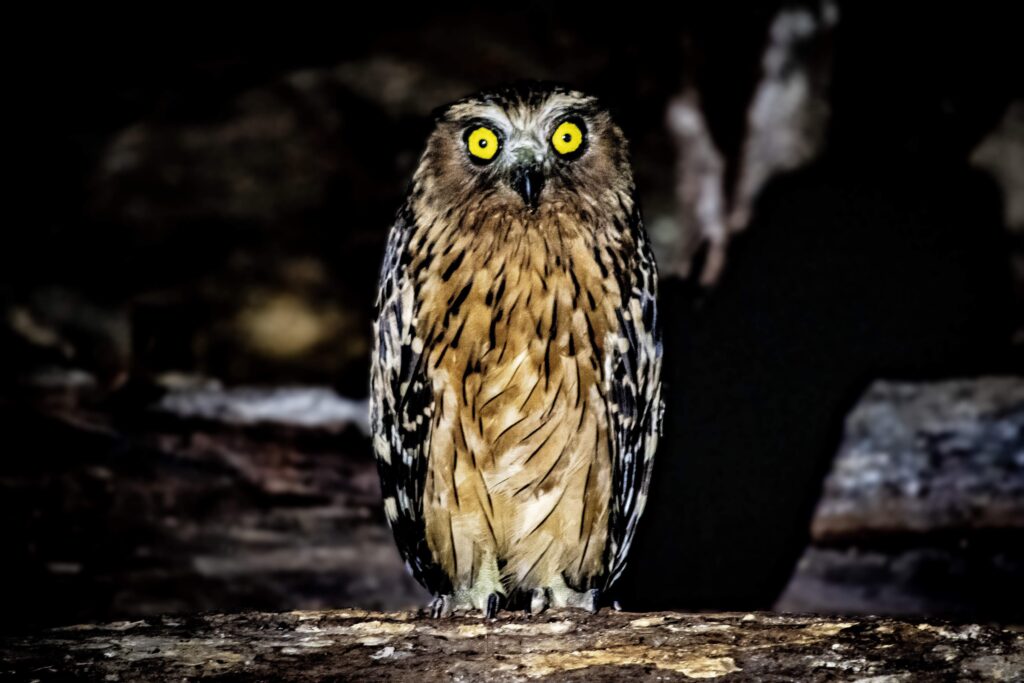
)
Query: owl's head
[{"x": 523, "y": 147}]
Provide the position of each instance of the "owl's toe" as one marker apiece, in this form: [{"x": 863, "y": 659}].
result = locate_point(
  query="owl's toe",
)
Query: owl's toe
[
  {"x": 441, "y": 606},
  {"x": 589, "y": 600},
  {"x": 540, "y": 599},
  {"x": 563, "y": 596},
  {"x": 491, "y": 610}
]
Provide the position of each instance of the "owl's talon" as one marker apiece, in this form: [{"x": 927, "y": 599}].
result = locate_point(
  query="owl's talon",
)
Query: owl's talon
[
  {"x": 539, "y": 600},
  {"x": 492, "y": 606},
  {"x": 441, "y": 606}
]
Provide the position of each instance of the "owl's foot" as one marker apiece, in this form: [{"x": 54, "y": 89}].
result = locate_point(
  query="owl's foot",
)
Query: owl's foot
[
  {"x": 540, "y": 598},
  {"x": 441, "y": 606},
  {"x": 491, "y": 610},
  {"x": 563, "y": 596},
  {"x": 560, "y": 595},
  {"x": 465, "y": 601},
  {"x": 478, "y": 598}
]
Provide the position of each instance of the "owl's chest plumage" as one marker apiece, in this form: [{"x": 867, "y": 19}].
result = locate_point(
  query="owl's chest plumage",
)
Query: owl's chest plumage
[{"x": 512, "y": 318}]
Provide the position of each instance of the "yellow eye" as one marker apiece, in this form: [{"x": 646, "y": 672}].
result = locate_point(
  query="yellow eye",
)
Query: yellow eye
[
  {"x": 482, "y": 143},
  {"x": 567, "y": 138}
]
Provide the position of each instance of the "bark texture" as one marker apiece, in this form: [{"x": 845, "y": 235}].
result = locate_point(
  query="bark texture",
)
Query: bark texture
[{"x": 608, "y": 646}]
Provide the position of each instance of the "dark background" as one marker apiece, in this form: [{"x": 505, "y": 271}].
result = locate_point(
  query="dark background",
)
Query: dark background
[{"x": 199, "y": 199}]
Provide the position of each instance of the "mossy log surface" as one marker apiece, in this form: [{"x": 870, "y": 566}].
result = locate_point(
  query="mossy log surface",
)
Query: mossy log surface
[{"x": 559, "y": 645}]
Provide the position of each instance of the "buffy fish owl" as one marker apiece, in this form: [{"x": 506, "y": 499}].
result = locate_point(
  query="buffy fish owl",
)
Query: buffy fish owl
[{"x": 515, "y": 383}]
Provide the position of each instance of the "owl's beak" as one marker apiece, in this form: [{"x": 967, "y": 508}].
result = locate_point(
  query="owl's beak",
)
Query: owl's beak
[{"x": 528, "y": 181}]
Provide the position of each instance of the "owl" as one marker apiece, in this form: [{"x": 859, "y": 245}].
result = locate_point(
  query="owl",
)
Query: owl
[{"x": 515, "y": 382}]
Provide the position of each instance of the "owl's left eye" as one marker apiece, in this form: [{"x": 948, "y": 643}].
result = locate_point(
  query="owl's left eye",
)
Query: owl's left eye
[
  {"x": 568, "y": 138},
  {"x": 482, "y": 143}
]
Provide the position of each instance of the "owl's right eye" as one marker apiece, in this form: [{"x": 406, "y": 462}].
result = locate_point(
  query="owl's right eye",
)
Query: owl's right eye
[{"x": 483, "y": 143}]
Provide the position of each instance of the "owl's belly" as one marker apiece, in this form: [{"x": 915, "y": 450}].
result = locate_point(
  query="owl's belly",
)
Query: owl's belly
[{"x": 520, "y": 473}]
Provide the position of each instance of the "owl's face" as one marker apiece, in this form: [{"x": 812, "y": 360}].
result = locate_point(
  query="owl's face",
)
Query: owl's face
[{"x": 523, "y": 148}]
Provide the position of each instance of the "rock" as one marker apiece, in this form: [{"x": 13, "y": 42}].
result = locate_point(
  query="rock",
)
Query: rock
[
  {"x": 561, "y": 645},
  {"x": 928, "y": 458},
  {"x": 965, "y": 578},
  {"x": 923, "y": 512}
]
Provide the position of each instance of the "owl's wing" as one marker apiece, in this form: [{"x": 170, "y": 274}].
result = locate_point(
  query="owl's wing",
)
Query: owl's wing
[
  {"x": 401, "y": 403},
  {"x": 633, "y": 371}
]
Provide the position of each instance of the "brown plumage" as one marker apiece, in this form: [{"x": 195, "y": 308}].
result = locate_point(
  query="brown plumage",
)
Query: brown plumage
[{"x": 515, "y": 388}]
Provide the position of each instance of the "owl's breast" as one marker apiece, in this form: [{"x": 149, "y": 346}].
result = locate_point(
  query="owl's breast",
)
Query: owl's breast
[
  {"x": 514, "y": 320},
  {"x": 515, "y": 326}
]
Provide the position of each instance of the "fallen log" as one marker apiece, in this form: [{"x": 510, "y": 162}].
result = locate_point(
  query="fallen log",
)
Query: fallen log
[{"x": 558, "y": 645}]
